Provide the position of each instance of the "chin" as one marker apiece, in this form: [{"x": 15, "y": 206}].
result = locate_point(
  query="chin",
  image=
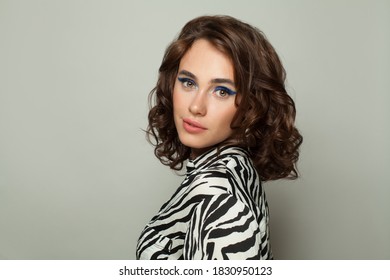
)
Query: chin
[{"x": 192, "y": 143}]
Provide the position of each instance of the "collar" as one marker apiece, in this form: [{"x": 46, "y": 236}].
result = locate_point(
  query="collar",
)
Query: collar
[{"x": 213, "y": 155}]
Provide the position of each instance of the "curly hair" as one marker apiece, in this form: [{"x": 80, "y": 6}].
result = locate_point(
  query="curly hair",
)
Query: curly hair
[{"x": 264, "y": 121}]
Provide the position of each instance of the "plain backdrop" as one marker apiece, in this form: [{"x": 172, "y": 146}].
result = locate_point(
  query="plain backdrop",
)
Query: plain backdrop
[{"x": 78, "y": 179}]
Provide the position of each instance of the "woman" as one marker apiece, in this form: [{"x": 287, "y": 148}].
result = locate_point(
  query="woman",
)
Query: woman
[{"x": 221, "y": 108}]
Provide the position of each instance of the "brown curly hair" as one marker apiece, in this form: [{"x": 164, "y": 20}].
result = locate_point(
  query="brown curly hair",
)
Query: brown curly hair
[{"x": 264, "y": 122}]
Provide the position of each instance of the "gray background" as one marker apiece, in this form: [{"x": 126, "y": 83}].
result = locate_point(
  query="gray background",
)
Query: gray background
[{"x": 79, "y": 181}]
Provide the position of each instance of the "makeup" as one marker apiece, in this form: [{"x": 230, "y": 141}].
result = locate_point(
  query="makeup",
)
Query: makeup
[
  {"x": 187, "y": 82},
  {"x": 225, "y": 90},
  {"x": 219, "y": 91}
]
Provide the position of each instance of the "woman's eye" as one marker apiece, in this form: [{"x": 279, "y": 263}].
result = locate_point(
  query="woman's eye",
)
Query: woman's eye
[
  {"x": 223, "y": 92},
  {"x": 187, "y": 83}
]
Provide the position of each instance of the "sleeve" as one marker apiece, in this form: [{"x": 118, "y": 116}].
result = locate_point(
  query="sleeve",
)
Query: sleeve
[{"x": 222, "y": 228}]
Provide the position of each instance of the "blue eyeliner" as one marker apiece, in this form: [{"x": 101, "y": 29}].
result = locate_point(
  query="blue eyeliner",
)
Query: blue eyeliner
[
  {"x": 227, "y": 90},
  {"x": 183, "y": 80}
]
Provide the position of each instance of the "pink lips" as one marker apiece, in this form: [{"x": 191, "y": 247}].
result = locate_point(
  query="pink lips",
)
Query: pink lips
[{"x": 192, "y": 126}]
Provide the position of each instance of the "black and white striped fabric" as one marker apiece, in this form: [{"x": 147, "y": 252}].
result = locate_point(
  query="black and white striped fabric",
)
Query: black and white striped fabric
[{"x": 218, "y": 212}]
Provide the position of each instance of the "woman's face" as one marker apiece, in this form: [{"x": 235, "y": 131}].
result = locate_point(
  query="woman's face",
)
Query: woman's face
[{"x": 204, "y": 97}]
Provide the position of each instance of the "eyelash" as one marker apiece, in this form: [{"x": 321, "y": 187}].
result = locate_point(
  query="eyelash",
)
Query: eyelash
[
  {"x": 225, "y": 89},
  {"x": 185, "y": 82}
]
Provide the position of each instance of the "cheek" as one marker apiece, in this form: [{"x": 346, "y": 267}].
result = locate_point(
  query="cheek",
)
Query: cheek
[
  {"x": 225, "y": 115},
  {"x": 230, "y": 115},
  {"x": 180, "y": 100}
]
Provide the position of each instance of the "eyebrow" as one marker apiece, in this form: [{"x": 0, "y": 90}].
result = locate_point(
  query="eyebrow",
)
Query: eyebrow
[{"x": 213, "y": 81}]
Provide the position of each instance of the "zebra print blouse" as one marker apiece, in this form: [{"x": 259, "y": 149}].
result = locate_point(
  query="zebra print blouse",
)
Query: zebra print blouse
[{"x": 218, "y": 212}]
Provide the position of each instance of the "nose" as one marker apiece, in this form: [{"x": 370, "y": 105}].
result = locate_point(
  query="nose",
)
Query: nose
[{"x": 198, "y": 105}]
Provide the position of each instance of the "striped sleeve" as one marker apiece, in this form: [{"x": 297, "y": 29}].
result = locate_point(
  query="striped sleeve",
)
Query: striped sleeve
[{"x": 222, "y": 228}]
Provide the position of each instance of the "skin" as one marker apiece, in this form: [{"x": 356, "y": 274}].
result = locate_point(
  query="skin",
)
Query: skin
[{"x": 204, "y": 97}]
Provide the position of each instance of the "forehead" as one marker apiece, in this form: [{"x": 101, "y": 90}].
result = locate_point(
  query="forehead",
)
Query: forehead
[{"x": 204, "y": 60}]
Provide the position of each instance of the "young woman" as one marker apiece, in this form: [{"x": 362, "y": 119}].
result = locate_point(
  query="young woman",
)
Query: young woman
[{"x": 220, "y": 107}]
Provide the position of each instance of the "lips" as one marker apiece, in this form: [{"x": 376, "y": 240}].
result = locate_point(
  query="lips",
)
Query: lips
[{"x": 192, "y": 126}]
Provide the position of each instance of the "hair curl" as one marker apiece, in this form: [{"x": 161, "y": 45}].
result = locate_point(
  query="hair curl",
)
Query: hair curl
[{"x": 264, "y": 122}]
